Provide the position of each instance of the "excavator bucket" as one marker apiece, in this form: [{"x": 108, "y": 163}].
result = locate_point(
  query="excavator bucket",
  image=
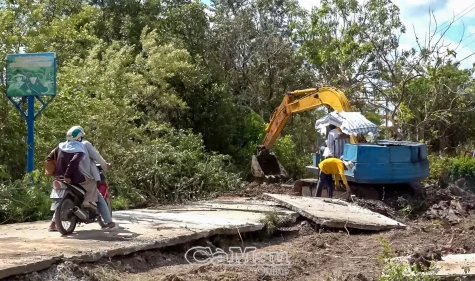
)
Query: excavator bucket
[{"x": 267, "y": 167}]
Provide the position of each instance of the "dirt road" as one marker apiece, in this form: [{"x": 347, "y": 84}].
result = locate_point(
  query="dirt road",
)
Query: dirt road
[
  {"x": 313, "y": 256},
  {"x": 29, "y": 247},
  {"x": 314, "y": 253}
]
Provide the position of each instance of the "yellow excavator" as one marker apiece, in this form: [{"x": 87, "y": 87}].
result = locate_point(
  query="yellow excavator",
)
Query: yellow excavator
[{"x": 265, "y": 165}]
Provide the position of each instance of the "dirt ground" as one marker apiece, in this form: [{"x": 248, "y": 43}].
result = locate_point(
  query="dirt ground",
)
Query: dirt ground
[
  {"x": 314, "y": 254},
  {"x": 257, "y": 191}
]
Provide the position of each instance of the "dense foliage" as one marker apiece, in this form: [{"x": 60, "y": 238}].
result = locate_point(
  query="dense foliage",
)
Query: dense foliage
[
  {"x": 176, "y": 94},
  {"x": 450, "y": 170}
]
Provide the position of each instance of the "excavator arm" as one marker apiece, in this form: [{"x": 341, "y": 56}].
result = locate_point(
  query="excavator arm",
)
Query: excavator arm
[
  {"x": 266, "y": 165},
  {"x": 292, "y": 104}
]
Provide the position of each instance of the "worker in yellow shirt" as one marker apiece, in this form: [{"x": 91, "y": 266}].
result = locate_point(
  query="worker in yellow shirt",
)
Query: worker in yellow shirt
[{"x": 329, "y": 167}]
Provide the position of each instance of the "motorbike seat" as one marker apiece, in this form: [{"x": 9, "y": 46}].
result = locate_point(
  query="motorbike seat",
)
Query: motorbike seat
[{"x": 78, "y": 186}]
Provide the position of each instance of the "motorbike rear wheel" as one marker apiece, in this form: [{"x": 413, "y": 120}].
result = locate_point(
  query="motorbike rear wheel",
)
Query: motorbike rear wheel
[
  {"x": 100, "y": 220},
  {"x": 66, "y": 205}
]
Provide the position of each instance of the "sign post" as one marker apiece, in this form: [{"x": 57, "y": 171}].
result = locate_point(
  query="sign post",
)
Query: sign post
[{"x": 31, "y": 77}]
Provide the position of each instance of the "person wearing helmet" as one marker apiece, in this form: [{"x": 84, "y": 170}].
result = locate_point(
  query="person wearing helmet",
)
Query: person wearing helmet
[
  {"x": 88, "y": 167},
  {"x": 332, "y": 167},
  {"x": 74, "y": 164}
]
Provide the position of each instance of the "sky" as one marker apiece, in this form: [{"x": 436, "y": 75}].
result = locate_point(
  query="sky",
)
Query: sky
[{"x": 416, "y": 13}]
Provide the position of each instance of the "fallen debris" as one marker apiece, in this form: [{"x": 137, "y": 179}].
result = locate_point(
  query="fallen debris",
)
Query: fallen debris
[
  {"x": 336, "y": 213},
  {"x": 376, "y": 206},
  {"x": 450, "y": 204},
  {"x": 446, "y": 210},
  {"x": 422, "y": 258},
  {"x": 461, "y": 265}
]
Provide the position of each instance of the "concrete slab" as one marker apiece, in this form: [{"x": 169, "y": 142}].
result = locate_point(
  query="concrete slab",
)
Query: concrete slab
[
  {"x": 456, "y": 265},
  {"x": 336, "y": 213},
  {"x": 459, "y": 265},
  {"x": 245, "y": 205},
  {"x": 29, "y": 247}
]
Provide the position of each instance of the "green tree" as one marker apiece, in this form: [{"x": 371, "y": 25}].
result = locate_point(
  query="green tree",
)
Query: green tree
[
  {"x": 346, "y": 41},
  {"x": 255, "y": 53}
]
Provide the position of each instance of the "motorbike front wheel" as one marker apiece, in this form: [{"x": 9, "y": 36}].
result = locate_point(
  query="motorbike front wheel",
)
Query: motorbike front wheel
[{"x": 63, "y": 211}]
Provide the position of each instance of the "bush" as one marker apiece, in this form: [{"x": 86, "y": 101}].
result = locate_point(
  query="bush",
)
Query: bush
[
  {"x": 175, "y": 168},
  {"x": 168, "y": 166},
  {"x": 288, "y": 156},
  {"x": 252, "y": 134},
  {"x": 394, "y": 271},
  {"x": 24, "y": 200},
  {"x": 438, "y": 169},
  {"x": 448, "y": 170},
  {"x": 398, "y": 271},
  {"x": 462, "y": 167}
]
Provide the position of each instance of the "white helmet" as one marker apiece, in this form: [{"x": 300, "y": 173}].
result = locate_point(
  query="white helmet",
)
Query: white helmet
[
  {"x": 75, "y": 133},
  {"x": 349, "y": 164}
]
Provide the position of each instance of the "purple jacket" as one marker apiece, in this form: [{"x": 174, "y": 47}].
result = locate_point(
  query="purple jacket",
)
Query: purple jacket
[{"x": 67, "y": 165}]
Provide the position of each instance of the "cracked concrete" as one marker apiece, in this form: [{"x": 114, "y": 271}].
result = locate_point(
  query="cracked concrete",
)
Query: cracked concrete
[
  {"x": 336, "y": 213},
  {"x": 29, "y": 247}
]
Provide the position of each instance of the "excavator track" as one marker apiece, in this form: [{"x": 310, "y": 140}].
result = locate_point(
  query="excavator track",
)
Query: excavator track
[{"x": 307, "y": 187}]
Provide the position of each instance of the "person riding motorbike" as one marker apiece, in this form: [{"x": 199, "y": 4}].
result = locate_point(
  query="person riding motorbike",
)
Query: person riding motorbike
[
  {"x": 90, "y": 170},
  {"x": 96, "y": 157},
  {"x": 73, "y": 161}
]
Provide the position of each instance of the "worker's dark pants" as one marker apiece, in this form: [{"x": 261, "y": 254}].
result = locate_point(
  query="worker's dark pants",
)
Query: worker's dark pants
[{"x": 325, "y": 180}]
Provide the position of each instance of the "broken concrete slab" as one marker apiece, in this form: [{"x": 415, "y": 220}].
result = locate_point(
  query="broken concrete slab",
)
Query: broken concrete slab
[
  {"x": 336, "y": 213},
  {"x": 457, "y": 265},
  {"x": 29, "y": 247},
  {"x": 245, "y": 205}
]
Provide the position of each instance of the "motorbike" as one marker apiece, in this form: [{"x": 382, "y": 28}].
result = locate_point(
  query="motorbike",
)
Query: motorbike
[{"x": 66, "y": 201}]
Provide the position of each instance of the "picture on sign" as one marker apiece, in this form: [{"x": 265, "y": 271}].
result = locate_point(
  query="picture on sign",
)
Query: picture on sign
[{"x": 31, "y": 74}]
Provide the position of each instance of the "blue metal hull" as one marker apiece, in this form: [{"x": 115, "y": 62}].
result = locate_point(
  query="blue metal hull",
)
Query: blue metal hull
[{"x": 387, "y": 162}]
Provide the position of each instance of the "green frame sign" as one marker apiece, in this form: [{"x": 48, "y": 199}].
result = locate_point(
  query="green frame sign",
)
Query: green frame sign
[{"x": 31, "y": 74}]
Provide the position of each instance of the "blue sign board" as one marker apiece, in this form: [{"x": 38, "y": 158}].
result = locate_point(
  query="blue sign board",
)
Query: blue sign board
[
  {"x": 31, "y": 77},
  {"x": 31, "y": 74}
]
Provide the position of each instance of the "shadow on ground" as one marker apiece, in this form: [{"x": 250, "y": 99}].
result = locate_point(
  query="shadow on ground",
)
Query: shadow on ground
[{"x": 117, "y": 234}]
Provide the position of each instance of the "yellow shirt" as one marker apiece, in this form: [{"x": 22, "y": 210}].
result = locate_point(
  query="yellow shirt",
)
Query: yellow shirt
[{"x": 334, "y": 166}]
